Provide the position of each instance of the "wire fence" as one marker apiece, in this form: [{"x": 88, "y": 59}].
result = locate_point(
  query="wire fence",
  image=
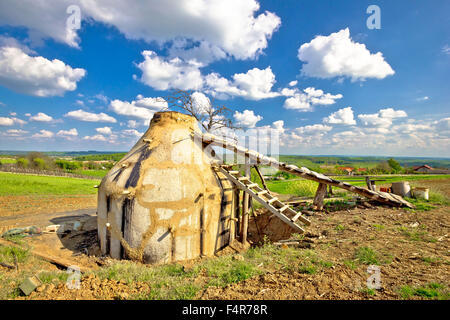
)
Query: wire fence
[{"x": 57, "y": 173}]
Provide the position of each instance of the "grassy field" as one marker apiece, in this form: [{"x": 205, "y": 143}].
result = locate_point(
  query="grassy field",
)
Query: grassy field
[
  {"x": 21, "y": 184},
  {"x": 7, "y": 160}
]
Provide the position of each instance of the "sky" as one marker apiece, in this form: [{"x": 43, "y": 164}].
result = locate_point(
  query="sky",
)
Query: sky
[{"x": 330, "y": 77}]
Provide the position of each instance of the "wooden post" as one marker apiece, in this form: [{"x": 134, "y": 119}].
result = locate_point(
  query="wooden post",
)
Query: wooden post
[
  {"x": 245, "y": 205},
  {"x": 320, "y": 194},
  {"x": 263, "y": 182},
  {"x": 330, "y": 190},
  {"x": 234, "y": 227},
  {"x": 369, "y": 184}
]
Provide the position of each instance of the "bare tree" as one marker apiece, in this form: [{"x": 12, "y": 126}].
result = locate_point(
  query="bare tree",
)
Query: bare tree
[{"x": 211, "y": 117}]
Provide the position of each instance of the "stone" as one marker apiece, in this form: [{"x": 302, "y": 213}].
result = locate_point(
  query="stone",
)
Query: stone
[
  {"x": 238, "y": 257},
  {"x": 29, "y": 285}
]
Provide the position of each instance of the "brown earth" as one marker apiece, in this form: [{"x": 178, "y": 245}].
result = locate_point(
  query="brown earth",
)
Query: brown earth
[
  {"x": 91, "y": 288},
  {"x": 441, "y": 186},
  {"x": 33, "y": 204},
  {"x": 413, "y": 249}
]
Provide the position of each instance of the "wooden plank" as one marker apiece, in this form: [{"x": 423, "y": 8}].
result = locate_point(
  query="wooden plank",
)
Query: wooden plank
[
  {"x": 295, "y": 218},
  {"x": 262, "y": 193},
  {"x": 272, "y": 200},
  {"x": 301, "y": 218},
  {"x": 302, "y": 172},
  {"x": 56, "y": 260},
  {"x": 237, "y": 209},
  {"x": 251, "y": 185},
  {"x": 264, "y": 203},
  {"x": 320, "y": 195},
  {"x": 234, "y": 214},
  {"x": 283, "y": 208}
]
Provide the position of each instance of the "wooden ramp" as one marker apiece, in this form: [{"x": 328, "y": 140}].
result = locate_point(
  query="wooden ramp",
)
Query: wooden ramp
[
  {"x": 258, "y": 158},
  {"x": 271, "y": 203}
]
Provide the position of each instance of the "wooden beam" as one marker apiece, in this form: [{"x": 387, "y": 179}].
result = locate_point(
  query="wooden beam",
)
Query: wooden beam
[
  {"x": 263, "y": 182},
  {"x": 320, "y": 195},
  {"x": 52, "y": 259},
  {"x": 305, "y": 173},
  {"x": 234, "y": 223},
  {"x": 245, "y": 205},
  {"x": 330, "y": 190}
]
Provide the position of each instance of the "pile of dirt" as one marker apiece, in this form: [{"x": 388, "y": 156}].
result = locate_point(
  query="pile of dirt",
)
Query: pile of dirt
[
  {"x": 267, "y": 225},
  {"x": 91, "y": 288}
]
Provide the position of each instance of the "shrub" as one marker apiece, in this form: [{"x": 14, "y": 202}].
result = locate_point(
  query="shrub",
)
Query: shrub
[
  {"x": 22, "y": 163},
  {"x": 68, "y": 165},
  {"x": 39, "y": 163}
]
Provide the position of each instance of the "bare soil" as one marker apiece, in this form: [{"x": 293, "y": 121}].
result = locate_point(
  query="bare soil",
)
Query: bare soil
[
  {"x": 34, "y": 204},
  {"x": 413, "y": 249},
  {"x": 91, "y": 288}
]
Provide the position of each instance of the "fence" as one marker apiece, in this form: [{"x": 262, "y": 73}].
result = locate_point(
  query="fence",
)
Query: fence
[{"x": 14, "y": 169}]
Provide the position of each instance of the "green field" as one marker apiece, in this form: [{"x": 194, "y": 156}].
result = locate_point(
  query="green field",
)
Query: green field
[
  {"x": 7, "y": 160},
  {"x": 21, "y": 184}
]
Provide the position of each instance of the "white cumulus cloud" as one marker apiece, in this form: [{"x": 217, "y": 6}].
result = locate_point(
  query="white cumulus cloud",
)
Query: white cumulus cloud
[
  {"x": 247, "y": 118},
  {"x": 104, "y": 130},
  {"x": 97, "y": 137},
  {"x": 41, "y": 117},
  {"x": 67, "y": 133},
  {"x": 163, "y": 74},
  {"x": 43, "y": 134},
  {"x": 304, "y": 101},
  {"x": 5, "y": 121},
  {"x": 142, "y": 107},
  {"x": 342, "y": 116},
  {"x": 313, "y": 129},
  {"x": 255, "y": 84},
  {"x": 89, "y": 116},
  {"x": 337, "y": 55},
  {"x": 36, "y": 76},
  {"x": 382, "y": 119}
]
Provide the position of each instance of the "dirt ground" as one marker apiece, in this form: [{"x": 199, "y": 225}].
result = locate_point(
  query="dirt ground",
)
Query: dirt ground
[
  {"x": 412, "y": 248},
  {"x": 35, "y": 204}
]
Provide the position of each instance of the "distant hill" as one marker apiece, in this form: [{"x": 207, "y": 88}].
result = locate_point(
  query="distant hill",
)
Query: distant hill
[
  {"x": 299, "y": 160},
  {"x": 362, "y": 161},
  {"x": 60, "y": 153}
]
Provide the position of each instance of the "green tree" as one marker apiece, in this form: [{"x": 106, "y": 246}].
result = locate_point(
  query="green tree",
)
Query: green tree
[
  {"x": 395, "y": 165},
  {"x": 22, "y": 163},
  {"x": 382, "y": 167},
  {"x": 39, "y": 163}
]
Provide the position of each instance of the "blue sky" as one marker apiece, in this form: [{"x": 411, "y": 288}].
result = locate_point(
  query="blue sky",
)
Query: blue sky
[{"x": 357, "y": 91}]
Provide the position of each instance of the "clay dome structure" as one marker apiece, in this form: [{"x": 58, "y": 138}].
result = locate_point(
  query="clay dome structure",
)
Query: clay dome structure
[{"x": 163, "y": 201}]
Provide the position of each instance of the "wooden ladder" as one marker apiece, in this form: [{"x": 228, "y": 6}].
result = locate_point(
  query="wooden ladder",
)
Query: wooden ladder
[{"x": 271, "y": 203}]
